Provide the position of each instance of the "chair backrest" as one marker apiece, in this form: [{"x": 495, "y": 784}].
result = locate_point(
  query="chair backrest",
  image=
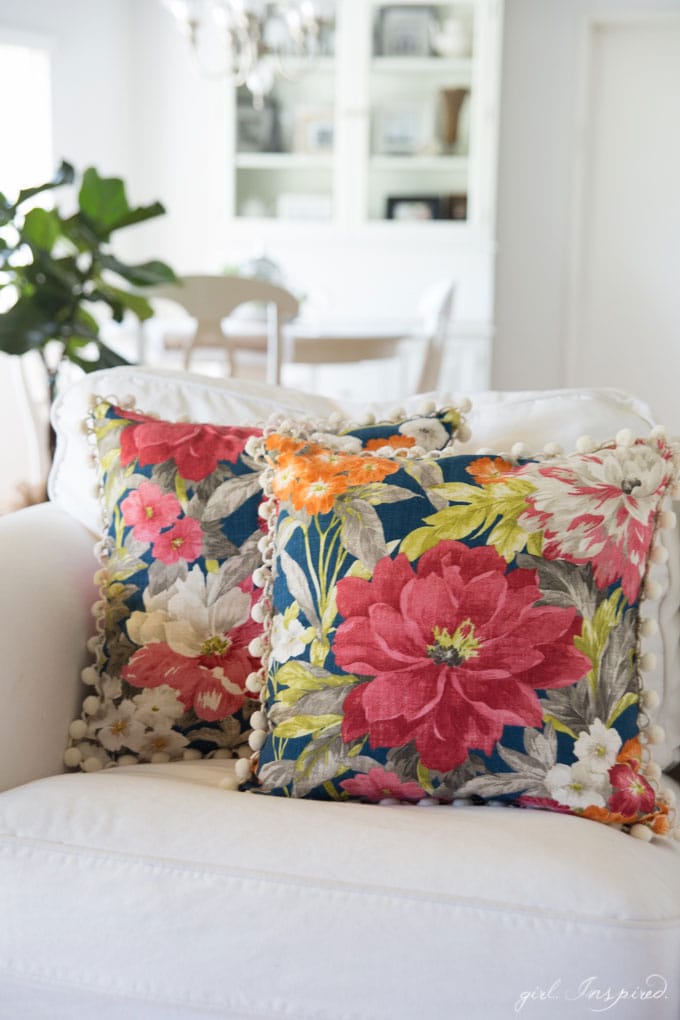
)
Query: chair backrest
[
  {"x": 436, "y": 309},
  {"x": 210, "y": 299}
]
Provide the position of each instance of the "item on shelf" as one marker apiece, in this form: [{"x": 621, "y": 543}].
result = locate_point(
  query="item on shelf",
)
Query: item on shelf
[
  {"x": 451, "y": 104},
  {"x": 252, "y": 207},
  {"x": 298, "y": 206},
  {"x": 403, "y": 31},
  {"x": 451, "y": 37},
  {"x": 414, "y": 208},
  {"x": 406, "y": 129},
  {"x": 258, "y": 129},
  {"x": 454, "y": 207},
  {"x": 314, "y": 130}
]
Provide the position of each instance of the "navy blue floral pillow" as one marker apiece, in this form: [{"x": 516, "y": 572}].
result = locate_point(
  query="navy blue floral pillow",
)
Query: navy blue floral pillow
[
  {"x": 176, "y": 640},
  {"x": 462, "y": 626}
]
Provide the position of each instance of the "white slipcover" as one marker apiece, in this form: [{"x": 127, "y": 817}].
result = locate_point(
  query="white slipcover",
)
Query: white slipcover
[{"x": 155, "y": 893}]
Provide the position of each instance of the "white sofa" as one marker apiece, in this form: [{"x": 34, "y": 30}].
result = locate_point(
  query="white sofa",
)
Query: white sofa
[{"x": 157, "y": 892}]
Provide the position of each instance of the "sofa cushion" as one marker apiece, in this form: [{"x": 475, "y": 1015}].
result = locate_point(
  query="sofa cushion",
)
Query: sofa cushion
[
  {"x": 153, "y": 892},
  {"x": 180, "y": 503},
  {"x": 465, "y": 626}
]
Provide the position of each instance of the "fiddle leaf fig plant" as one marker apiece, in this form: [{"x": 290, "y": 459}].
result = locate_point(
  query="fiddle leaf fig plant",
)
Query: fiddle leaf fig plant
[{"x": 59, "y": 267}]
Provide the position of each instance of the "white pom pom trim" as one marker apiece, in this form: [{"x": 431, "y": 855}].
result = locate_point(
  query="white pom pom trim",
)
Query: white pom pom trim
[
  {"x": 667, "y": 520},
  {"x": 647, "y": 662},
  {"x": 257, "y": 739},
  {"x": 625, "y": 438},
  {"x": 243, "y": 769},
  {"x": 229, "y": 783},
  {"x": 642, "y": 832},
  {"x": 72, "y": 757},
  {"x": 648, "y": 627},
  {"x": 654, "y": 734},
  {"x": 585, "y": 444},
  {"x": 519, "y": 450},
  {"x": 77, "y": 730}
]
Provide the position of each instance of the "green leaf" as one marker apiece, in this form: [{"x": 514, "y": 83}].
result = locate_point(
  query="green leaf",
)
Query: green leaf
[
  {"x": 424, "y": 777},
  {"x": 631, "y": 698},
  {"x": 41, "y": 228},
  {"x": 304, "y": 725},
  {"x": 144, "y": 274},
  {"x": 102, "y": 200},
  {"x": 120, "y": 300},
  {"x": 25, "y": 327},
  {"x": 65, "y": 174},
  {"x": 558, "y": 725},
  {"x": 139, "y": 215},
  {"x": 475, "y": 509},
  {"x": 300, "y": 679},
  {"x": 106, "y": 358}
]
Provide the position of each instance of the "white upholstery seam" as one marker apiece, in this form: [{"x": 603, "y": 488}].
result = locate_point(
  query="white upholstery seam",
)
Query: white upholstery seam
[
  {"x": 47, "y": 979},
  {"x": 321, "y": 885}
]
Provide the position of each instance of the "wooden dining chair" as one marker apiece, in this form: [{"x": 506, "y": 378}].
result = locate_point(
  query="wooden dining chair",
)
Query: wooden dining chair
[
  {"x": 436, "y": 310},
  {"x": 211, "y": 299}
]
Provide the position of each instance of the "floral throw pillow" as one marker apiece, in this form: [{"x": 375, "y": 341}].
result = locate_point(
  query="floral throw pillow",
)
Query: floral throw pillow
[
  {"x": 464, "y": 627},
  {"x": 176, "y": 641}
]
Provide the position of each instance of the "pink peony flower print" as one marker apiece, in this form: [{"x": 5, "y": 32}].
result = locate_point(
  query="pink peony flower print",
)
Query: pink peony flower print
[
  {"x": 456, "y": 648},
  {"x": 183, "y": 541},
  {"x": 378, "y": 784},
  {"x": 599, "y": 508},
  {"x": 632, "y": 793},
  {"x": 212, "y": 682},
  {"x": 195, "y": 449},
  {"x": 148, "y": 510},
  {"x": 194, "y": 638}
]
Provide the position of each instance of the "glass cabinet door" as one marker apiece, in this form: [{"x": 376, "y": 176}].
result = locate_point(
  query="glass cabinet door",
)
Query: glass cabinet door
[
  {"x": 420, "y": 80},
  {"x": 285, "y": 150}
]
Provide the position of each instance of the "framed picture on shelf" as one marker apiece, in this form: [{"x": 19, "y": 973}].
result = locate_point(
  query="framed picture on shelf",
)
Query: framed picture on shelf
[
  {"x": 404, "y": 130},
  {"x": 413, "y": 208},
  {"x": 454, "y": 207},
  {"x": 314, "y": 130},
  {"x": 405, "y": 31}
]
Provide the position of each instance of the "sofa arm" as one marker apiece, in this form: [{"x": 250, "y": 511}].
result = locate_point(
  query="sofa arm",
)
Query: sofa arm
[{"x": 45, "y": 621}]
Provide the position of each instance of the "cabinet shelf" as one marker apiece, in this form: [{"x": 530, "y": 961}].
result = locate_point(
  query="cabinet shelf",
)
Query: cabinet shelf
[
  {"x": 283, "y": 161},
  {"x": 459, "y": 68},
  {"x": 444, "y": 164}
]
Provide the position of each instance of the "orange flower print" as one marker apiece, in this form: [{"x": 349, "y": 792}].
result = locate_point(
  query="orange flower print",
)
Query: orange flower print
[
  {"x": 630, "y": 754},
  {"x": 285, "y": 482},
  {"x": 283, "y": 445},
  {"x": 318, "y": 493},
  {"x": 397, "y": 442},
  {"x": 361, "y": 470},
  {"x": 487, "y": 470}
]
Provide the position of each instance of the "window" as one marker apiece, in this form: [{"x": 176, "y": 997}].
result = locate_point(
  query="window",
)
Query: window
[{"x": 26, "y": 155}]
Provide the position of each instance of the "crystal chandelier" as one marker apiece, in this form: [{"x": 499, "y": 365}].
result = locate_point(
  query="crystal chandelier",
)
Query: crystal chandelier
[{"x": 251, "y": 41}]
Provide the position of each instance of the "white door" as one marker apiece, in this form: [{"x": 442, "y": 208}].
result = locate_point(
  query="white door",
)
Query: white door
[{"x": 625, "y": 298}]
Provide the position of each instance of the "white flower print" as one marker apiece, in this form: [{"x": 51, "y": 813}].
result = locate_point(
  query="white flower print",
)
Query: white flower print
[
  {"x": 168, "y": 742},
  {"x": 189, "y": 613},
  {"x": 119, "y": 727},
  {"x": 576, "y": 786},
  {"x": 286, "y": 638},
  {"x": 158, "y": 707},
  {"x": 597, "y": 747}
]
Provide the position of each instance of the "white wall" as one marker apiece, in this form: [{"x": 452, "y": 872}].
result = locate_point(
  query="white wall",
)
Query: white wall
[
  {"x": 542, "y": 64},
  {"x": 127, "y": 99}
]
